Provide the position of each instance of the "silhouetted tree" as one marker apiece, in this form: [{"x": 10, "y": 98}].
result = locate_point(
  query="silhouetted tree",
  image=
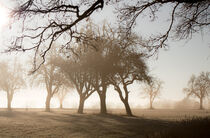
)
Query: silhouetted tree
[
  {"x": 11, "y": 79},
  {"x": 112, "y": 53},
  {"x": 186, "y": 17},
  {"x": 80, "y": 78},
  {"x": 58, "y": 17},
  {"x": 100, "y": 60},
  {"x": 152, "y": 90},
  {"x": 129, "y": 68},
  {"x": 55, "y": 19},
  {"x": 100, "y": 70},
  {"x": 199, "y": 87}
]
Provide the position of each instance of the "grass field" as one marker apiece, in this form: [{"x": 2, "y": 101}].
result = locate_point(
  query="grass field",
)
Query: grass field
[{"x": 67, "y": 123}]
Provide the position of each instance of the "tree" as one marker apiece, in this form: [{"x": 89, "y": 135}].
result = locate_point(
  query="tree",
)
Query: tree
[
  {"x": 129, "y": 68},
  {"x": 62, "y": 16},
  {"x": 112, "y": 61},
  {"x": 199, "y": 87},
  {"x": 92, "y": 53},
  {"x": 60, "y": 20},
  {"x": 61, "y": 95},
  {"x": 186, "y": 17},
  {"x": 51, "y": 77},
  {"x": 56, "y": 19},
  {"x": 11, "y": 80},
  {"x": 80, "y": 78},
  {"x": 100, "y": 70},
  {"x": 152, "y": 90}
]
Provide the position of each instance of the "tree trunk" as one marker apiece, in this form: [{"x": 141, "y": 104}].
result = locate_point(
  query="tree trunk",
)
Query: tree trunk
[
  {"x": 127, "y": 107},
  {"x": 125, "y": 101},
  {"x": 102, "y": 96},
  {"x": 9, "y": 104},
  {"x": 150, "y": 102},
  {"x": 61, "y": 105},
  {"x": 201, "y": 103},
  {"x": 9, "y": 101},
  {"x": 81, "y": 105},
  {"x": 47, "y": 103}
]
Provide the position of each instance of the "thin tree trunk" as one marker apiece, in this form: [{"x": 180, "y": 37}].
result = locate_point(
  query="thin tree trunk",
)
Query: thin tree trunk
[
  {"x": 47, "y": 103},
  {"x": 81, "y": 105},
  {"x": 201, "y": 103},
  {"x": 9, "y": 101},
  {"x": 61, "y": 105},
  {"x": 150, "y": 101},
  {"x": 102, "y": 96}
]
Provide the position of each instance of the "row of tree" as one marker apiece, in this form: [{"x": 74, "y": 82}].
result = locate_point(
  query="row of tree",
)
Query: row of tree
[
  {"x": 105, "y": 59},
  {"x": 100, "y": 59}
]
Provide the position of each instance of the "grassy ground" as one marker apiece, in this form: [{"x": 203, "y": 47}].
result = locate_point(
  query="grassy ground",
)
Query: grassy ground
[{"x": 67, "y": 123}]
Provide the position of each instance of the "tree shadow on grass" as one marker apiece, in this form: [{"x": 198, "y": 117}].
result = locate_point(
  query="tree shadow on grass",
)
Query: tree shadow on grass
[
  {"x": 96, "y": 125},
  {"x": 56, "y": 124}
]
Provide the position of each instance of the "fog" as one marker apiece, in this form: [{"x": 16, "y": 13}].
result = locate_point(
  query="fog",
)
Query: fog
[
  {"x": 36, "y": 99},
  {"x": 102, "y": 68}
]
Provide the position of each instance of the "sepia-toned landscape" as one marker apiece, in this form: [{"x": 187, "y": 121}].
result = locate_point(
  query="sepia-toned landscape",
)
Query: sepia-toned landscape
[{"x": 105, "y": 68}]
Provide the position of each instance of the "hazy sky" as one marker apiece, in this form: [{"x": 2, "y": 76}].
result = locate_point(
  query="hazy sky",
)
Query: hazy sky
[{"x": 174, "y": 66}]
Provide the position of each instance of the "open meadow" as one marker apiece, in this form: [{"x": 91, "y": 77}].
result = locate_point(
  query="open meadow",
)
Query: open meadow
[{"x": 67, "y": 123}]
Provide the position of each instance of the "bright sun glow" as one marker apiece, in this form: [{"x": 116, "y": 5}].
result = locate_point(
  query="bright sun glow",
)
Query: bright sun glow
[{"x": 4, "y": 16}]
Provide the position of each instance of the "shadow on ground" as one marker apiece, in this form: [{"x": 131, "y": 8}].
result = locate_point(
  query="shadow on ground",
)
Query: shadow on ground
[{"x": 59, "y": 124}]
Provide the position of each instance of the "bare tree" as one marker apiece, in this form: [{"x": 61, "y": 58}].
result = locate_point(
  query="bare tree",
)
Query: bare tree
[
  {"x": 112, "y": 54},
  {"x": 50, "y": 76},
  {"x": 80, "y": 78},
  {"x": 100, "y": 71},
  {"x": 57, "y": 19},
  {"x": 11, "y": 80},
  {"x": 199, "y": 87},
  {"x": 129, "y": 68},
  {"x": 63, "y": 91},
  {"x": 153, "y": 90},
  {"x": 94, "y": 59},
  {"x": 186, "y": 17}
]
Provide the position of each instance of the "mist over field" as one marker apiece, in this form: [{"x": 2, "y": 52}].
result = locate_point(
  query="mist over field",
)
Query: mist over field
[{"x": 105, "y": 69}]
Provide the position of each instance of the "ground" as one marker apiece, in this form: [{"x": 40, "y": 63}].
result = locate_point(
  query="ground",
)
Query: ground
[{"x": 67, "y": 123}]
